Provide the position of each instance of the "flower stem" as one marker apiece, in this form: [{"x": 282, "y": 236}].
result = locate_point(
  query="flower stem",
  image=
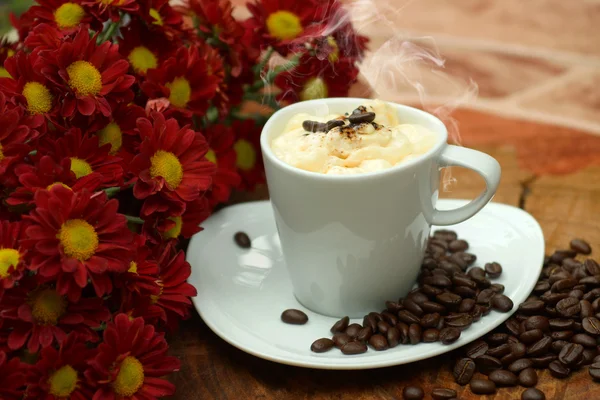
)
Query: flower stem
[
  {"x": 111, "y": 191},
  {"x": 135, "y": 220},
  {"x": 109, "y": 32},
  {"x": 259, "y": 67}
]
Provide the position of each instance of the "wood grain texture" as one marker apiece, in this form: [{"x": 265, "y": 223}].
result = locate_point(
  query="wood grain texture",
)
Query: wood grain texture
[{"x": 566, "y": 206}]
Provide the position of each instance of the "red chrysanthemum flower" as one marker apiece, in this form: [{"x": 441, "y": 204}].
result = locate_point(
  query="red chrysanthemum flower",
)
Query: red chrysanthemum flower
[
  {"x": 110, "y": 9},
  {"x": 12, "y": 254},
  {"x": 220, "y": 140},
  {"x": 85, "y": 155},
  {"x": 59, "y": 374},
  {"x": 74, "y": 237},
  {"x": 40, "y": 316},
  {"x": 65, "y": 15},
  {"x": 281, "y": 22},
  {"x": 44, "y": 37},
  {"x": 43, "y": 174},
  {"x": 249, "y": 160},
  {"x": 165, "y": 227},
  {"x": 186, "y": 79},
  {"x": 90, "y": 77},
  {"x": 140, "y": 278},
  {"x": 131, "y": 362},
  {"x": 315, "y": 79},
  {"x": 159, "y": 15},
  {"x": 7, "y": 50},
  {"x": 12, "y": 377},
  {"x": 170, "y": 162}
]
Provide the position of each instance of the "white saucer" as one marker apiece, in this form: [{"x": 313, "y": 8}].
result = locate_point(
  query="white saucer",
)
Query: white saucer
[{"x": 241, "y": 293}]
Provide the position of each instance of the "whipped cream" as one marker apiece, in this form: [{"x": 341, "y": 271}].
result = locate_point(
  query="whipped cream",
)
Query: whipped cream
[{"x": 352, "y": 148}]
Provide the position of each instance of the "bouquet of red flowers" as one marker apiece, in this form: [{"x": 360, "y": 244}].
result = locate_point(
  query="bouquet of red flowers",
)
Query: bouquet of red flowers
[{"x": 123, "y": 123}]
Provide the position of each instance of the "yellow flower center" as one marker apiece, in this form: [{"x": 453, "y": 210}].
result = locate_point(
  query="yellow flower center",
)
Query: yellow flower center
[
  {"x": 175, "y": 231},
  {"x": 53, "y": 185},
  {"x": 111, "y": 133},
  {"x": 4, "y": 73},
  {"x": 78, "y": 239},
  {"x": 8, "y": 258},
  {"x": 284, "y": 25},
  {"x": 246, "y": 155},
  {"x": 335, "y": 54},
  {"x": 130, "y": 377},
  {"x": 315, "y": 88},
  {"x": 211, "y": 156},
  {"x": 63, "y": 381},
  {"x": 80, "y": 167},
  {"x": 167, "y": 165},
  {"x": 142, "y": 59},
  {"x": 68, "y": 15},
  {"x": 156, "y": 16},
  {"x": 132, "y": 267},
  {"x": 39, "y": 99},
  {"x": 180, "y": 92},
  {"x": 47, "y": 306},
  {"x": 1, "y": 153},
  {"x": 84, "y": 78},
  {"x": 154, "y": 298}
]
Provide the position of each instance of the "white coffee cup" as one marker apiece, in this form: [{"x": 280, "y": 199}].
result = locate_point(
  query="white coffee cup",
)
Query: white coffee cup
[{"x": 351, "y": 242}]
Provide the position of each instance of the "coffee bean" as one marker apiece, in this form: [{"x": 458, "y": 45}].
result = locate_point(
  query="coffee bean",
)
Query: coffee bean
[
  {"x": 541, "y": 287},
  {"x": 513, "y": 327},
  {"x": 560, "y": 324},
  {"x": 449, "y": 300},
  {"x": 314, "y": 126},
  {"x": 499, "y": 351},
  {"x": 501, "y": 303},
  {"x": 458, "y": 245},
  {"x": 461, "y": 259},
  {"x": 383, "y": 327},
  {"x": 414, "y": 333},
  {"x": 376, "y": 316},
  {"x": 497, "y": 338},
  {"x": 558, "y": 370},
  {"x": 594, "y": 371},
  {"x": 584, "y": 339},
  {"x": 591, "y": 325},
  {"x": 322, "y": 345},
  {"x": 334, "y": 123},
  {"x": 580, "y": 246},
  {"x": 589, "y": 355},
  {"x": 353, "y": 330},
  {"x": 393, "y": 336},
  {"x": 393, "y": 307},
  {"x": 431, "y": 307},
  {"x": 568, "y": 307},
  {"x": 533, "y": 394},
  {"x": 413, "y": 393},
  {"x": 242, "y": 240},
  {"x": 540, "y": 347},
  {"x": 341, "y": 325},
  {"x": 430, "y": 320},
  {"x": 518, "y": 349},
  {"x": 531, "y": 336},
  {"x": 571, "y": 354},
  {"x": 408, "y": 317},
  {"x": 520, "y": 365},
  {"x": 371, "y": 322},
  {"x": 443, "y": 394},
  {"x": 497, "y": 287},
  {"x": 493, "y": 270},
  {"x": 563, "y": 285},
  {"x": 367, "y": 117},
  {"x": 466, "y": 305},
  {"x": 482, "y": 386},
  {"x": 460, "y": 321},
  {"x": 477, "y": 348},
  {"x": 592, "y": 267},
  {"x": 558, "y": 345},
  {"x": 389, "y": 317},
  {"x": 543, "y": 361},
  {"x": 528, "y": 377},
  {"x": 487, "y": 363},
  {"x": 464, "y": 281},
  {"x": 378, "y": 342},
  {"x": 587, "y": 310},
  {"x": 445, "y": 234},
  {"x": 365, "y": 334},
  {"x": 537, "y": 322},
  {"x": 502, "y": 377},
  {"x": 294, "y": 317},
  {"x": 485, "y": 296},
  {"x": 354, "y": 348},
  {"x": 438, "y": 281},
  {"x": 340, "y": 339},
  {"x": 463, "y": 371},
  {"x": 449, "y": 335},
  {"x": 591, "y": 280},
  {"x": 570, "y": 264},
  {"x": 560, "y": 255},
  {"x": 413, "y": 307},
  {"x": 466, "y": 292},
  {"x": 431, "y": 335},
  {"x": 430, "y": 291},
  {"x": 531, "y": 307}
]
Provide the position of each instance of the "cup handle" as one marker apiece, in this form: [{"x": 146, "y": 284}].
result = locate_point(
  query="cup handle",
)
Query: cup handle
[{"x": 484, "y": 165}]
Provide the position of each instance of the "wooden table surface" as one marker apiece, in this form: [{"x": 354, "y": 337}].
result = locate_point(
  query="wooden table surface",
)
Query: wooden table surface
[{"x": 566, "y": 206}]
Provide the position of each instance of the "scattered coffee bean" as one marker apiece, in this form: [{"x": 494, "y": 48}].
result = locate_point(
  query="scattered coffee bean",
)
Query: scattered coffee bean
[
  {"x": 413, "y": 307},
  {"x": 353, "y": 330},
  {"x": 322, "y": 345},
  {"x": 584, "y": 340},
  {"x": 443, "y": 394},
  {"x": 571, "y": 354},
  {"x": 431, "y": 335},
  {"x": 414, "y": 333},
  {"x": 393, "y": 336},
  {"x": 294, "y": 317},
  {"x": 334, "y": 123},
  {"x": 371, "y": 322},
  {"x": 459, "y": 321},
  {"x": 493, "y": 270},
  {"x": 540, "y": 347},
  {"x": 591, "y": 325},
  {"x": 533, "y": 394},
  {"x": 594, "y": 371},
  {"x": 520, "y": 365},
  {"x": 487, "y": 363},
  {"x": 242, "y": 240},
  {"x": 592, "y": 267},
  {"x": 558, "y": 370},
  {"x": 531, "y": 307},
  {"x": 340, "y": 339},
  {"x": 361, "y": 118},
  {"x": 580, "y": 246},
  {"x": 537, "y": 322},
  {"x": 413, "y": 393},
  {"x": 497, "y": 287},
  {"x": 383, "y": 327},
  {"x": 389, "y": 318},
  {"x": 568, "y": 307},
  {"x": 497, "y": 338},
  {"x": 463, "y": 371},
  {"x": 499, "y": 351},
  {"x": 365, "y": 334},
  {"x": 378, "y": 342},
  {"x": 341, "y": 325},
  {"x": 408, "y": 317},
  {"x": 531, "y": 336},
  {"x": 501, "y": 303},
  {"x": 314, "y": 126},
  {"x": 477, "y": 348},
  {"x": 543, "y": 361},
  {"x": 458, "y": 245},
  {"x": 354, "y": 348},
  {"x": 528, "y": 377},
  {"x": 449, "y": 335},
  {"x": 502, "y": 377},
  {"x": 482, "y": 386}
]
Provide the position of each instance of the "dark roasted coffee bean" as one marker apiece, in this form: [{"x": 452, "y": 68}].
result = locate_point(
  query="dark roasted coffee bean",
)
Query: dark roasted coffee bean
[
  {"x": 354, "y": 348},
  {"x": 558, "y": 370},
  {"x": 589, "y": 355},
  {"x": 464, "y": 281},
  {"x": 476, "y": 313},
  {"x": 531, "y": 307},
  {"x": 501, "y": 303},
  {"x": 449, "y": 300},
  {"x": 513, "y": 327},
  {"x": 591, "y": 325},
  {"x": 528, "y": 377},
  {"x": 487, "y": 363},
  {"x": 393, "y": 307},
  {"x": 466, "y": 305},
  {"x": 334, "y": 123},
  {"x": 412, "y": 393},
  {"x": 341, "y": 325},
  {"x": 413, "y": 307},
  {"x": 562, "y": 335},
  {"x": 242, "y": 240},
  {"x": 459, "y": 258},
  {"x": 460, "y": 321},
  {"x": 493, "y": 269},
  {"x": 543, "y": 361},
  {"x": 376, "y": 315},
  {"x": 432, "y": 307},
  {"x": 596, "y": 304},
  {"x": 431, "y": 335},
  {"x": 584, "y": 339},
  {"x": 340, "y": 339},
  {"x": 570, "y": 264},
  {"x": 563, "y": 285},
  {"x": 430, "y": 320},
  {"x": 418, "y": 297},
  {"x": 353, "y": 330},
  {"x": 393, "y": 336},
  {"x": 466, "y": 292},
  {"x": 568, "y": 307},
  {"x": 371, "y": 322},
  {"x": 579, "y": 273},
  {"x": 403, "y": 329},
  {"x": 541, "y": 287},
  {"x": 314, "y": 126},
  {"x": 463, "y": 371},
  {"x": 322, "y": 345},
  {"x": 408, "y": 317},
  {"x": 540, "y": 347},
  {"x": 517, "y": 350},
  {"x": 497, "y": 287},
  {"x": 430, "y": 291},
  {"x": 365, "y": 333},
  {"x": 389, "y": 318},
  {"x": 537, "y": 322},
  {"x": 592, "y": 267},
  {"x": 294, "y": 317},
  {"x": 560, "y": 324},
  {"x": 520, "y": 365},
  {"x": 485, "y": 296},
  {"x": 571, "y": 354},
  {"x": 443, "y": 394},
  {"x": 414, "y": 333},
  {"x": 580, "y": 246},
  {"x": 438, "y": 281},
  {"x": 586, "y": 309},
  {"x": 466, "y": 257},
  {"x": 445, "y": 234},
  {"x": 558, "y": 345},
  {"x": 477, "y": 348},
  {"x": 497, "y": 338},
  {"x": 379, "y": 342},
  {"x": 449, "y": 335},
  {"x": 482, "y": 386},
  {"x": 560, "y": 255},
  {"x": 458, "y": 245},
  {"x": 577, "y": 327},
  {"x": 382, "y": 327},
  {"x": 559, "y": 274},
  {"x": 578, "y": 294},
  {"x": 367, "y": 117},
  {"x": 590, "y": 281},
  {"x": 594, "y": 371},
  {"x": 499, "y": 351},
  {"x": 502, "y": 377},
  {"x": 531, "y": 336}
]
